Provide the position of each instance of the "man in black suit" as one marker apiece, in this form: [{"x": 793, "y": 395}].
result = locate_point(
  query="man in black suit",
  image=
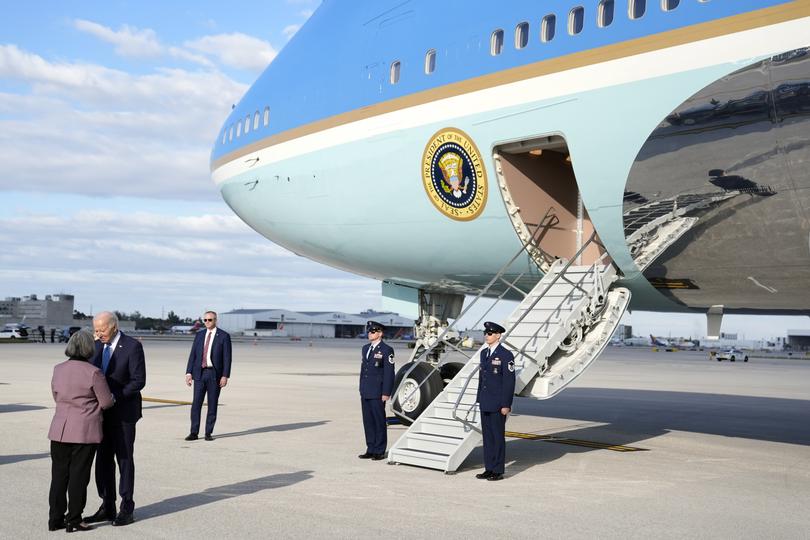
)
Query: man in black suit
[
  {"x": 209, "y": 367},
  {"x": 121, "y": 359}
]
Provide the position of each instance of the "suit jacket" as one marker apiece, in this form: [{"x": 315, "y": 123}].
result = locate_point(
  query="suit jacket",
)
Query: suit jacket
[
  {"x": 80, "y": 392},
  {"x": 126, "y": 376},
  {"x": 220, "y": 354},
  {"x": 377, "y": 371},
  {"x": 496, "y": 379}
]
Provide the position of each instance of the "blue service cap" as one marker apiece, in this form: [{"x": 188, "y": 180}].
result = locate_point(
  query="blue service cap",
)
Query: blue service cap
[
  {"x": 374, "y": 325},
  {"x": 490, "y": 326}
]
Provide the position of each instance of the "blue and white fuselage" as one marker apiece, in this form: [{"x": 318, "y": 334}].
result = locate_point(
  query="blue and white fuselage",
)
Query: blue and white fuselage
[{"x": 328, "y": 146}]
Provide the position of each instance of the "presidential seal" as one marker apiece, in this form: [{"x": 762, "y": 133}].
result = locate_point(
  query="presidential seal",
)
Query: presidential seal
[{"x": 453, "y": 175}]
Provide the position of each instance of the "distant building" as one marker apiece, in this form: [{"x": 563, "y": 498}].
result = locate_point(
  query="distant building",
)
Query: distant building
[
  {"x": 799, "y": 340},
  {"x": 277, "y": 322},
  {"x": 53, "y": 311}
]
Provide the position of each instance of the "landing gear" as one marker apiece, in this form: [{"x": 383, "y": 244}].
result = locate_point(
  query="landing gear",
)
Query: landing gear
[{"x": 412, "y": 398}]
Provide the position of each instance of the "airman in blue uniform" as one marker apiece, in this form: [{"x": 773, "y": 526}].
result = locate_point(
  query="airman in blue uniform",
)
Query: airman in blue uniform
[
  {"x": 496, "y": 388},
  {"x": 376, "y": 385}
]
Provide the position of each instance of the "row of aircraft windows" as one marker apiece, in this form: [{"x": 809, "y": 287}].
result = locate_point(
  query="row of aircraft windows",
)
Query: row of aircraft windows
[
  {"x": 243, "y": 126},
  {"x": 636, "y": 9}
]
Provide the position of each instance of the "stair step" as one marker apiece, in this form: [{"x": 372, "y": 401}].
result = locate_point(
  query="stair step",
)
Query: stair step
[
  {"x": 440, "y": 444},
  {"x": 430, "y": 460},
  {"x": 443, "y": 426}
]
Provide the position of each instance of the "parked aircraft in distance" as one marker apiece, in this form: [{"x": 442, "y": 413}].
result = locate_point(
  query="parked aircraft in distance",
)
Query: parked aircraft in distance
[{"x": 568, "y": 154}]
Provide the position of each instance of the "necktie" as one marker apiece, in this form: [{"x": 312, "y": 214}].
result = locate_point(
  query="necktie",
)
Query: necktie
[
  {"x": 486, "y": 354},
  {"x": 368, "y": 354},
  {"x": 105, "y": 357},
  {"x": 205, "y": 350}
]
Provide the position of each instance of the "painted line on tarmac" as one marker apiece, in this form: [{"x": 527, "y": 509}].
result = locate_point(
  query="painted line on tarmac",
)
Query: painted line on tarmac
[
  {"x": 169, "y": 401},
  {"x": 575, "y": 442}
]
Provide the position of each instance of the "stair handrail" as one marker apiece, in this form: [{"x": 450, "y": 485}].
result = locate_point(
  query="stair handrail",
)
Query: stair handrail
[
  {"x": 461, "y": 395},
  {"x": 592, "y": 269},
  {"x": 419, "y": 355}
]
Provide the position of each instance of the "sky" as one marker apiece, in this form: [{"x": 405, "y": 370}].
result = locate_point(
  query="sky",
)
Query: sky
[{"x": 108, "y": 111}]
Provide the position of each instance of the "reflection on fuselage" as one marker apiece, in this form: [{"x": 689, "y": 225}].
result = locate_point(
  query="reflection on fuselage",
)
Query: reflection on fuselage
[{"x": 719, "y": 195}]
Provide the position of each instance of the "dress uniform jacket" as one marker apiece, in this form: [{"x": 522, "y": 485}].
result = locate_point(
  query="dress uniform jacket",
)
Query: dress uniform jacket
[
  {"x": 496, "y": 384},
  {"x": 377, "y": 371}
]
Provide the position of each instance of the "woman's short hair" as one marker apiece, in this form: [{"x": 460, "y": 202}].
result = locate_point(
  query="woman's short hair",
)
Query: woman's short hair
[{"x": 81, "y": 345}]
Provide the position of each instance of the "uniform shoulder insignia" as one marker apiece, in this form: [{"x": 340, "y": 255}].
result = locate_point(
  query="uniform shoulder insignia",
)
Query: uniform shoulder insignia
[
  {"x": 391, "y": 357},
  {"x": 511, "y": 365}
]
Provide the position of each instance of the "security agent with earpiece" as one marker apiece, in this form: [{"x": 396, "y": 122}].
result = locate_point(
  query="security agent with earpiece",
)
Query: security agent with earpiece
[
  {"x": 496, "y": 388},
  {"x": 376, "y": 385}
]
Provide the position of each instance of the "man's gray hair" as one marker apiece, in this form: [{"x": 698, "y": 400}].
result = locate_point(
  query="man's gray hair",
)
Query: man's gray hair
[
  {"x": 81, "y": 345},
  {"x": 108, "y": 317}
]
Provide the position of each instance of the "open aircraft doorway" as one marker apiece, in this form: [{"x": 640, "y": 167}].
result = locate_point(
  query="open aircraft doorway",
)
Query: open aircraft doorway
[{"x": 539, "y": 187}]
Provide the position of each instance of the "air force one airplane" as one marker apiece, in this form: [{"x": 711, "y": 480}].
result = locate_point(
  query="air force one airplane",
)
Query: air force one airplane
[{"x": 570, "y": 154}]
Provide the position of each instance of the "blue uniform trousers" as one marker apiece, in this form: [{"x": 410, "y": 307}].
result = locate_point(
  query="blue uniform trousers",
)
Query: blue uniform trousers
[
  {"x": 374, "y": 425},
  {"x": 493, "y": 425},
  {"x": 208, "y": 384}
]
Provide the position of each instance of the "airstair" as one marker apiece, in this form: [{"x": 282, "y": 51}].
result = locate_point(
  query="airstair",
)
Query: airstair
[{"x": 557, "y": 331}]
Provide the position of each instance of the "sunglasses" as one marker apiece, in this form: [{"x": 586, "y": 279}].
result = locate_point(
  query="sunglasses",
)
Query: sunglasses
[
  {"x": 374, "y": 331},
  {"x": 490, "y": 333},
  {"x": 208, "y": 320}
]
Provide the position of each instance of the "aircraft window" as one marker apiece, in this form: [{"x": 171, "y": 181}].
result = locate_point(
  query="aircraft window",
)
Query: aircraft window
[
  {"x": 430, "y": 61},
  {"x": 605, "y": 13},
  {"x": 230, "y": 137},
  {"x": 669, "y": 5},
  {"x": 496, "y": 43},
  {"x": 637, "y": 8},
  {"x": 238, "y": 129},
  {"x": 224, "y": 135},
  {"x": 266, "y": 116},
  {"x": 256, "y": 121},
  {"x": 395, "y": 67},
  {"x": 247, "y": 124},
  {"x": 547, "y": 28},
  {"x": 521, "y": 35},
  {"x": 576, "y": 19}
]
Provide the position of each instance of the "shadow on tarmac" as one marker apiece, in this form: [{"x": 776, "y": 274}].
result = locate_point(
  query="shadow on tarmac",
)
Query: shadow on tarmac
[
  {"x": 630, "y": 416},
  {"x": 219, "y": 493},
  {"x": 19, "y": 407},
  {"x": 268, "y": 429},
  {"x": 16, "y": 458}
]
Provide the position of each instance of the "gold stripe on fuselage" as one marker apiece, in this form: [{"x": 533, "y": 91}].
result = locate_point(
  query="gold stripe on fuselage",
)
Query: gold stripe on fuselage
[{"x": 664, "y": 40}]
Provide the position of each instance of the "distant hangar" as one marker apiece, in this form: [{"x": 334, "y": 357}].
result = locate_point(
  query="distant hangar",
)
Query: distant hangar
[{"x": 306, "y": 324}]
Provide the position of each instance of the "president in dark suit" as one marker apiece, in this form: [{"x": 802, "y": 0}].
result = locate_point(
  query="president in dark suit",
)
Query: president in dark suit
[
  {"x": 209, "y": 367},
  {"x": 121, "y": 359}
]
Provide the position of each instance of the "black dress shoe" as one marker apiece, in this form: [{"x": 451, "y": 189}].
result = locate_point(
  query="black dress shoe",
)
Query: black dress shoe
[
  {"x": 100, "y": 515},
  {"x": 56, "y": 525},
  {"x": 122, "y": 519},
  {"x": 209, "y": 438},
  {"x": 484, "y": 475},
  {"x": 495, "y": 477},
  {"x": 191, "y": 437},
  {"x": 377, "y": 457},
  {"x": 80, "y": 527}
]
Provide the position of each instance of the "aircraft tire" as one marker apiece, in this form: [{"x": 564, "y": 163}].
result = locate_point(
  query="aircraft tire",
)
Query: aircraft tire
[
  {"x": 745, "y": 359},
  {"x": 449, "y": 370},
  {"x": 422, "y": 397},
  {"x": 733, "y": 359}
]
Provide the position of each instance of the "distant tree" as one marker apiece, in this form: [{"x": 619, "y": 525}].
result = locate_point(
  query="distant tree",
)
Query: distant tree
[
  {"x": 172, "y": 318},
  {"x": 79, "y": 315}
]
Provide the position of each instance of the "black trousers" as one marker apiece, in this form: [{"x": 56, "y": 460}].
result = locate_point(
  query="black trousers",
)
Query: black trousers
[
  {"x": 118, "y": 445},
  {"x": 207, "y": 384},
  {"x": 493, "y": 425},
  {"x": 374, "y": 425},
  {"x": 70, "y": 474}
]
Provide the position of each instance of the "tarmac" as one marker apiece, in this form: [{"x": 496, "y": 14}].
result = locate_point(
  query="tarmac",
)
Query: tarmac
[{"x": 643, "y": 445}]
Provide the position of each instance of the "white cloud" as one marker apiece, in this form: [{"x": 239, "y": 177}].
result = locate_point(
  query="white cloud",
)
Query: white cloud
[
  {"x": 128, "y": 41},
  {"x": 144, "y": 261},
  {"x": 235, "y": 50},
  {"x": 90, "y": 129},
  {"x": 289, "y": 31}
]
